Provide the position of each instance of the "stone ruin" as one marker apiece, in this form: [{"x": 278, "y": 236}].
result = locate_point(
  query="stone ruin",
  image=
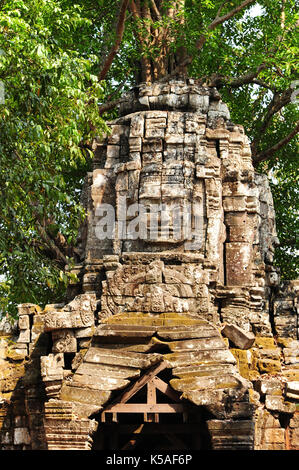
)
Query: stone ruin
[{"x": 176, "y": 339}]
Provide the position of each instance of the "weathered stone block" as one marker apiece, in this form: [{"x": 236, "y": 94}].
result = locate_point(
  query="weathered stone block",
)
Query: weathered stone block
[
  {"x": 267, "y": 386},
  {"x": 61, "y": 320},
  {"x": 21, "y": 436},
  {"x": 238, "y": 264},
  {"x": 292, "y": 390},
  {"x": 98, "y": 383},
  {"x": 112, "y": 152},
  {"x": 127, "y": 359},
  {"x": 201, "y": 357},
  {"x": 277, "y": 403},
  {"x": 83, "y": 395},
  {"x": 240, "y": 338},
  {"x": 28, "y": 309},
  {"x": 268, "y": 366},
  {"x": 52, "y": 367},
  {"x": 274, "y": 436},
  {"x": 24, "y": 336},
  {"x": 137, "y": 126},
  {"x": 87, "y": 332},
  {"x": 64, "y": 341},
  {"x": 204, "y": 344},
  {"x": 24, "y": 322},
  {"x": 207, "y": 382}
]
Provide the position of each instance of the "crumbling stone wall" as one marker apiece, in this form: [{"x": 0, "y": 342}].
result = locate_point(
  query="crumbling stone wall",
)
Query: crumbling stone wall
[{"x": 173, "y": 145}]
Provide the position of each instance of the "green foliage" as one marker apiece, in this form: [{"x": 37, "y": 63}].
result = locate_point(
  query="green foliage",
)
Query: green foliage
[
  {"x": 51, "y": 96},
  {"x": 284, "y": 184},
  {"x": 239, "y": 46}
]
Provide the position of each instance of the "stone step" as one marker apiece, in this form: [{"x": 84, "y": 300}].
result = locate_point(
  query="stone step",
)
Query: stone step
[
  {"x": 170, "y": 319},
  {"x": 205, "y": 383},
  {"x": 139, "y": 347},
  {"x": 98, "y": 383},
  {"x": 83, "y": 395},
  {"x": 222, "y": 356},
  {"x": 129, "y": 359},
  {"x": 101, "y": 370},
  {"x": 125, "y": 331},
  {"x": 202, "y": 331},
  {"x": 203, "y": 370},
  {"x": 203, "y": 344}
]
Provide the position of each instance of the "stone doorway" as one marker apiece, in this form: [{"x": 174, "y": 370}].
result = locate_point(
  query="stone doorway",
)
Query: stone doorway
[{"x": 150, "y": 415}]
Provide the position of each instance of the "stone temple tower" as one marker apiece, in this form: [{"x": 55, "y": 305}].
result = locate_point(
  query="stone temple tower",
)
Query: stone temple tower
[{"x": 178, "y": 334}]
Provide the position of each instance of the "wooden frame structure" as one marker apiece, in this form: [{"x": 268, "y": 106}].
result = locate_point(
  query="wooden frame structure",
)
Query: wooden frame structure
[{"x": 151, "y": 411}]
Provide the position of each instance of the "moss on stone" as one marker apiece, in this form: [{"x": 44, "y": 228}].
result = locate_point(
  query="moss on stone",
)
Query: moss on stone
[
  {"x": 246, "y": 368},
  {"x": 149, "y": 319},
  {"x": 284, "y": 342},
  {"x": 291, "y": 374},
  {"x": 268, "y": 366},
  {"x": 265, "y": 342},
  {"x": 13, "y": 355}
]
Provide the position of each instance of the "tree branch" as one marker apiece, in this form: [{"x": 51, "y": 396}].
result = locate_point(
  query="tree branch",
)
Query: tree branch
[
  {"x": 277, "y": 103},
  {"x": 221, "y": 19},
  {"x": 263, "y": 84},
  {"x": 217, "y": 20},
  {"x": 220, "y": 8},
  {"x": 155, "y": 9},
  {"x": 266, "y": 154},
  {"x": 110, "y": 105},
  {"x": 250, "y": 77},
  {"x": 119, "y": 35}
]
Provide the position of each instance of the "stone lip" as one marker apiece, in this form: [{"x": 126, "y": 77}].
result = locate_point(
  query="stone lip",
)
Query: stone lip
[{"x": 176, "y": 94}]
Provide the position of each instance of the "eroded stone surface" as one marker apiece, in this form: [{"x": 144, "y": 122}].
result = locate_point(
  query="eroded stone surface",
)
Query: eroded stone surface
[{"x": 165, "y": 298}]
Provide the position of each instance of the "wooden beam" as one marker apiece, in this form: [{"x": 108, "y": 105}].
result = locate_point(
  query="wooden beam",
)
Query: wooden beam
[
  {"x": 151, "y": 393},
  {"x": 166, "y": 389},
  {"x": 145, "y": 408},
  {"x": 151, "y": 400},
  {"x": 139, "y": 384}
]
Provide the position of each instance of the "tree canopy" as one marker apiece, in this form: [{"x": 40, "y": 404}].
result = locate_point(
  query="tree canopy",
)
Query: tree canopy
[{"x": 64, "y": 67}]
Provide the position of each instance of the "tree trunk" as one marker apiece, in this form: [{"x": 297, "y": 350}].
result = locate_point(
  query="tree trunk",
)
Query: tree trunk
[{"x": 154, "y": 37}]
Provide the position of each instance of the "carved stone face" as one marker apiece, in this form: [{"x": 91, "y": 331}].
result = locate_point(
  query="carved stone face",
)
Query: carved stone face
[
  {"x": 179, "y": 178},
  {"x": 158, "y": 194}
]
